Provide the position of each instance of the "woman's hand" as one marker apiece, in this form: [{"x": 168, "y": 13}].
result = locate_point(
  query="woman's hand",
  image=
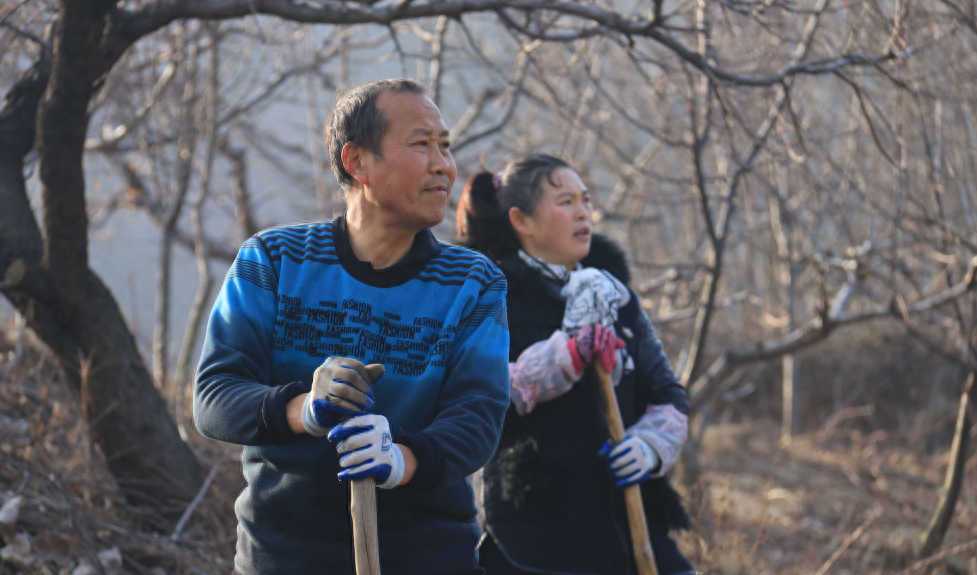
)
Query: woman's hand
[
  {"x": 594, "y": 341},
  {"x": 631, "y": 461}
]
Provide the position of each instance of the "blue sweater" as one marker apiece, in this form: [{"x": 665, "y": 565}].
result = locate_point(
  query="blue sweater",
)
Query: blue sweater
[{"x": 436, "y": 320}]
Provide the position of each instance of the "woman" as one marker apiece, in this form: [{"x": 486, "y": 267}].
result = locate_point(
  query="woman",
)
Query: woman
[{"x": 551, "y": 494}]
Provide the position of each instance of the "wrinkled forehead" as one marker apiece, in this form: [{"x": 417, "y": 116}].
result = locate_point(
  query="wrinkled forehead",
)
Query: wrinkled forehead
[{"x": 411, "y": 115}]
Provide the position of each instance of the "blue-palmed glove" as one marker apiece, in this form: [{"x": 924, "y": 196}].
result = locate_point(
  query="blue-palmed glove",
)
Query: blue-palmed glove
[
  {"x": 631, "y": 461},
  {"x": 366, "y": 449},
  {"x": 341, "y": 388}
]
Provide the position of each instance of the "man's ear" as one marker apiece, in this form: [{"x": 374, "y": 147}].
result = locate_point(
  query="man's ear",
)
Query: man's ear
[
  {"x": 353, "y": 157},
  {"x": 519, "y": 221}
]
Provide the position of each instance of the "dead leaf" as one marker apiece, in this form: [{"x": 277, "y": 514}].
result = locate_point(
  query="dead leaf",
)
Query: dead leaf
[
  {"x": 10, "y": 511},
  {"x": 18, "y": 551},
  {"x": 111, "y": 559},
  {"x": 54, "y": 544},
  {"x": 84, "y": 568}
]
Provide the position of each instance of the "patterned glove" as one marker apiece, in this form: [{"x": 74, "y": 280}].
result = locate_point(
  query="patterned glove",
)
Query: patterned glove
[
  {"x": 340, "y": 390},
  {"x": 594, "y": 340},
  {"x": 366, "y": 449},
  {"x": 631, "y": 461}
]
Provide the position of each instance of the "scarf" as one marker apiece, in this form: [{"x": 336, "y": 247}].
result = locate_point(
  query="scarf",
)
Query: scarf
[{"x": 592, "y": 295}]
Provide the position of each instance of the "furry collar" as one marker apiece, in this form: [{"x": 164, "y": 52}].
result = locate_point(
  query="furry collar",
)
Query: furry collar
[{"x": 607, "y": 254}]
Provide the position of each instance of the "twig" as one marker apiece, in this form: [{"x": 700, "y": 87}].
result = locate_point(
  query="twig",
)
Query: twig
[
  {"x": 868, "y": 119},
  {"x": 196, "y": 500},
  {"x": 512, "y": 93},
  {"x": 851, "y": 539},
  {"x": 939, "y": 556},
  {"x": 24, "y": 33},
  {"x": 10, "y": 12},
  {"x": 842, "y": 415},
  {"x": 401, "y": 6}
]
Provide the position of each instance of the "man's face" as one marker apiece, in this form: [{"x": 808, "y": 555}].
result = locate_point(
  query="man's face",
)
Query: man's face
[{"x": 411, "y": 179}]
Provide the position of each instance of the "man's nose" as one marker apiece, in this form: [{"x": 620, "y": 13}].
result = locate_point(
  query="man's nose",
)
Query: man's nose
[{"x": 439, "y": 162}]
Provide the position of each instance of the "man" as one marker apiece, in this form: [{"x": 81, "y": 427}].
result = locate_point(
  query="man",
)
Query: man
[{"x": 304, "y": 307}]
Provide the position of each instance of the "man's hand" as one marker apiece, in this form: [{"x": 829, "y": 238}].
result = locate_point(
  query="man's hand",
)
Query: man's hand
[
  {"x": 631, "y": 461},
  {"x": 366, "y": 449},
  {"x": 594, "y": 341},
  {"x": 341, "y": 388}
]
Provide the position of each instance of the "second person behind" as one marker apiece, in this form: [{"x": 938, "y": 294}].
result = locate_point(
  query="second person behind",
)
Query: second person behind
[{"x": 552, "y": 493}]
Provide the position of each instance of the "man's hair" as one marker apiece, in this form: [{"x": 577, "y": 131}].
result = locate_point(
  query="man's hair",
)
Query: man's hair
[{"x": 356, "y": 119}]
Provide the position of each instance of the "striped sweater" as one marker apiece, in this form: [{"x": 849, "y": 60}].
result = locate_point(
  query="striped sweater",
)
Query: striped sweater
[{"x": 436, "y": 320}]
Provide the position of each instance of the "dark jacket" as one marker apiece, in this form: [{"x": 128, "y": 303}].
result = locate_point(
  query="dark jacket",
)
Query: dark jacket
[{"x": 549, "y": 500}]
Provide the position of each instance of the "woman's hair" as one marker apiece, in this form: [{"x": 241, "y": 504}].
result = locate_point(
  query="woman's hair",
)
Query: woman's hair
[{"x": 483, "y": 210}]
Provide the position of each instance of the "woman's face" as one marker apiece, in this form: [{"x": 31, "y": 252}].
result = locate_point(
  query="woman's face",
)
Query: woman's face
[{"x": 558, "y": 231}]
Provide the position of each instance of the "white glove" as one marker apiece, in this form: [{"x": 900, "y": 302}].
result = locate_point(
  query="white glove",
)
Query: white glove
[
  {"x": 631, "y": 461},
  {"x": 366, "y": 449}
]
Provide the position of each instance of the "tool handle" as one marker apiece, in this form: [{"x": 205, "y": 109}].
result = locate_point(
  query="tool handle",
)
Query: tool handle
[
  {"x": 640, "y": 541},
  {"x": 363, "y": 509}
]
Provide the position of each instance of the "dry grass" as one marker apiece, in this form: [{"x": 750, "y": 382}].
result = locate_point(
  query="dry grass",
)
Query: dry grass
[{"x": 72, "y": 510}]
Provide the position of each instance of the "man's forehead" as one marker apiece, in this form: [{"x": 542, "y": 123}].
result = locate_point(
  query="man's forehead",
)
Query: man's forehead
[
  {"x": 441, "y": 130},
  {"x": 412, "y": 112}
]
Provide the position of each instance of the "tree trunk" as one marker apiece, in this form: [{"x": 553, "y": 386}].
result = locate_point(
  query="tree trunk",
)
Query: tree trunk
[
  {"x": 933, "y": 537},
  {"x": 50, "y": 284},
  {"x": 791, "y": 417},
  {"x": 128, "y": 418}
]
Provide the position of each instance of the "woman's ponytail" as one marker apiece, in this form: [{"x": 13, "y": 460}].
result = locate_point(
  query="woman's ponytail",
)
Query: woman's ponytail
[
  {"x": 482, "y": 223},
  {"x": 483, "y": 210}
]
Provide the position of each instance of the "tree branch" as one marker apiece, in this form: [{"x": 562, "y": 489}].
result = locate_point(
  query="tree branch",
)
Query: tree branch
[
  {"x": 20, "y": 235},
  {"x": 437, "y": 57},
  {"x": 513, "y": 91},
  {"x": 135, "y": 24},
  {"x": 818, "y": 329}
]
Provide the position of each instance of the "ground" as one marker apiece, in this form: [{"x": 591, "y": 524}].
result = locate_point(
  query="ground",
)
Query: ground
[
  {"x": 845, "y": 498},
  {"x": 836, "y": 501}
]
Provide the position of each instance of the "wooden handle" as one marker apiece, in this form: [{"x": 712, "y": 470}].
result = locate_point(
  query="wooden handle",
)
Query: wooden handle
[
  {"x": 363, "y": 508},
  {"x": 640, "y": 541}
]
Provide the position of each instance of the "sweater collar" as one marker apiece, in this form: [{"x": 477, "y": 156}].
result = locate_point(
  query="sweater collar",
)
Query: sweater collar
[{"x": 424, "y": 248}]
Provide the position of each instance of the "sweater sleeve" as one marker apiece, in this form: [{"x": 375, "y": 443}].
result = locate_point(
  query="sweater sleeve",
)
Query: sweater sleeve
[
  {"x": 664, "y": 423},
  {"x": 544, "y": 371},
  {"x": 234, "y": 399},
  {"x": 656, "y": 380},
  {"x": 473, "y": 399}
]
